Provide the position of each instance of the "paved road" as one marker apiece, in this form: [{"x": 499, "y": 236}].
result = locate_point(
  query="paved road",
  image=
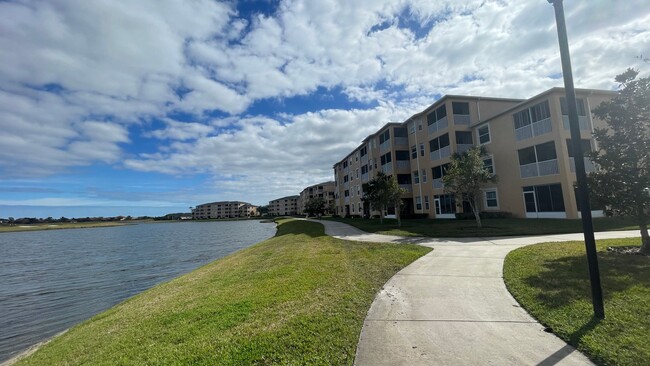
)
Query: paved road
[{"x": 451, "y": 307}]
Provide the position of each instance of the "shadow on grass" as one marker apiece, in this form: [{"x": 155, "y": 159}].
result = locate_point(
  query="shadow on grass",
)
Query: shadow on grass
[
  {"x": 566, "y": 279},
  {"x": 300, "y": 227}
]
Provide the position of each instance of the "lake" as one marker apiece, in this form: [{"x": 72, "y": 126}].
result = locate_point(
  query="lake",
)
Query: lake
[{"x": 52, "y": 280}]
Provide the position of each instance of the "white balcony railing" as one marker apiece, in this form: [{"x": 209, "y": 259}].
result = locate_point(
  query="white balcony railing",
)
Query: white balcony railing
[
  {"x": 364, "y": 177},
  {"x": 438, "y": 125},
  {"x": 347, "y": 200},
  {"x": 548, "y": 167},
  {"x": 364, "y": 159},
  {"x": 437, "y": 183},
  {"x": 441, "y": 153},
  {"x": 403, "y": 164},
  {"x": 589, "y": 165},
  {"x": 461, "y": 119},
  {"x": 533, "y": 130},
  {"x": 346, "y": 185},
  {"x": 387, "y": 168},
  {"x": 583, "y": 121},
  {"x": 346, "y": 170},
  {"x": 463, "y": 147},
  {"x": 384, "y": 145},
  {"x": 406, "y": 187},
  {"x": 401, "y": 141}
]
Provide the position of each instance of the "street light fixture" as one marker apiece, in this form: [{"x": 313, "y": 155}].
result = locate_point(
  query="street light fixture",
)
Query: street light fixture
[{"x": 583, "y": 193}]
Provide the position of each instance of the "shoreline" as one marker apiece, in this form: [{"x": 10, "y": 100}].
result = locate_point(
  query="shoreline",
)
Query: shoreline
[{"x": 31, "y": 349}]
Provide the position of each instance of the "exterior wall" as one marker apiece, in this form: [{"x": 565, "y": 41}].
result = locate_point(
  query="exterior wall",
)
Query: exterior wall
[
  {"x": 285, "y": 206},
  {"x": 323, "y": 190},
  {"x": 223, "y": 210},
  {"x": 427, "y": 133}
]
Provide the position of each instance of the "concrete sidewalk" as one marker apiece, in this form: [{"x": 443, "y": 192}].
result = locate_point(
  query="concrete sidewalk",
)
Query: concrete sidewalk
[{"x": 451, "y": 307}]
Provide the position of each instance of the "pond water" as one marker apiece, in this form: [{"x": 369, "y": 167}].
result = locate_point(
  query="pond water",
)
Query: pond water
[{"x": 52, "y": 280}]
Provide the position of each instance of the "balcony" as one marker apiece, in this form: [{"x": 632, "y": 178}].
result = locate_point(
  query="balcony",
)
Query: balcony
[
  {"x": 364, "y": 177},
  {"x": 407, "y": 187},
  {"x": 542, "y": 168},
  {"x": 347, "y": 200},
  {"x": 404, "y": 164},
  {"x": 461, "y": 119},
  {"x": 401, "y": 141},
  {"x": 438, "y": 125},
  {"x": 384, "y": 146},
  {"x": 583, "y": 121},
  {"x": 441, "y": 153},
  {"x": 533, "y": 130},
  {"x": 346, "y": 185},
  {"x": 437, "y": 183},
  {"x": 387, "y": 168},
  {"x": 463, "y": 147},
  {"x": 346, "y": 170},
  {"x": 364, "y": 160},
  {"x": 589, "y": 165}
]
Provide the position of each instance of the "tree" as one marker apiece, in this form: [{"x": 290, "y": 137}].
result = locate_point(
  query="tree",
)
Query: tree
[
  {"x": 383, "y": 192},
  {"x": 315, "y": 206},
  {"x": 466, "y": 176},
  {"x": 623, "y": 179}
]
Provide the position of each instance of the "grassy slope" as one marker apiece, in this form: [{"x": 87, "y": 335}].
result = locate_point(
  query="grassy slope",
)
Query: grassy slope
[
  {"x": 298, "y": 298},
  {"x": 491, "y": 227},
  {"x": 59, "y": 226},
  {"x": 551, "y": 281}
]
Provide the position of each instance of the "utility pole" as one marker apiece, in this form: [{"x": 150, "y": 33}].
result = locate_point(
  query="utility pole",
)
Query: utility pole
[{"x": 583, "y": 193}]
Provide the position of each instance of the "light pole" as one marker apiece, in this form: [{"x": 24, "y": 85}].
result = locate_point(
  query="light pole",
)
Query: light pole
[{"x": 583, "y": 193}]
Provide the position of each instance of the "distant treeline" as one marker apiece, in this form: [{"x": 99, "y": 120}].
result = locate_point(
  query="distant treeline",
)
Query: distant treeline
[{"x": 63, "y": 219}]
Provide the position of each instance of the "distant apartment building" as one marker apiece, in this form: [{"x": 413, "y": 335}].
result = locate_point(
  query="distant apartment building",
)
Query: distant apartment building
[
  {"x": 285, "y": 206},
  {"x": 323, "y": 190},
  {"x": 527, "y": 143},
  {"x": 224, "y": 210}
]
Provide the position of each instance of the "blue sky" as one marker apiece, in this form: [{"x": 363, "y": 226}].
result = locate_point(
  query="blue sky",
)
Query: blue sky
[{"x": 148, "y": 107}]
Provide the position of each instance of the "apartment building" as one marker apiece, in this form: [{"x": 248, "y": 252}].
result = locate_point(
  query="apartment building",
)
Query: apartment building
[
  {"x": 527, "y": 143},
  {"x": 285, "y": 206},
  {"x": 224, "y": 210},
  {"x": 323, "y": 190}
]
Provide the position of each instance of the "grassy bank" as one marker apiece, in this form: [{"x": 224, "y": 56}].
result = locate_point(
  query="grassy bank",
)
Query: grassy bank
[
  {"x": 491, "y": 227},
  {"x": 298, "y": 298},
  {"x": 58, "y": 226},
  {"x": 551, "y": 281}
]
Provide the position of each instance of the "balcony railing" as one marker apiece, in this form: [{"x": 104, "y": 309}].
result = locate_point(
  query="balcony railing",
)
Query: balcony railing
[
  {"x": 461, "y": 119},
  {"x": 583, "y": 121},
  {"x": 346, "y": 185},
  {"x": 463, "y": 147},
  {"x": 533, "y": 130},
  {"x": 364, "y": 177},
  {"x": 384, "y": 145},
  {"x": 346, "y": 170},
  {"x": 403, "y": 164},
  {"x": 364, "y": 159},
  {"x": 437, "y": 183},
  {"x": 548, "y": 167},
  {"x": 439, "y": 154},
  {"x": 589, "y": 165},
  {"x": 387, "y": 168},
  {"x": 438, "y": 125},
  {"x": 406, "y": 187},
  {"x": 347, "y": 200},
  {"x": 401, "y": 141}
]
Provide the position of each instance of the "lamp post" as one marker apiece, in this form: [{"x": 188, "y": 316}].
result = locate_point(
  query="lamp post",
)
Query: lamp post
[{"x": 582, "y": 194}]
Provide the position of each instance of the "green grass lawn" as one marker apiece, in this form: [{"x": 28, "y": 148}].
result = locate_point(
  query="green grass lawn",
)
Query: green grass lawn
[
  {"x": 298, "y": 298},
  {"x": 57, "y": 226},
  {"x": 491, "y": 227},
  {"x": 551, "y": 281}
]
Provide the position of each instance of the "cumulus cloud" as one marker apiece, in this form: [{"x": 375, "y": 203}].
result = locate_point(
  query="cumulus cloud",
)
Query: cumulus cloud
[{"x": 84, "y": 82}]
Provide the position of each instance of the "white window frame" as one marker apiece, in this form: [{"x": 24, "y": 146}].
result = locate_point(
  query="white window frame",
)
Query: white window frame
[
  {"x": 478, "y": 135},
  {"x": 423, "y": 175},
  {"x": 485, "y": 204},
  {"x": 490, "y": 156}
]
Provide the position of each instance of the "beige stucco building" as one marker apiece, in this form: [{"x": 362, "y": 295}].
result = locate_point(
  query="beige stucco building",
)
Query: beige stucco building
[
  {"x": 285, "y": 206},
  {"x": 527, "y": 144},
  {"x": 323, "y": 190},
  {"x": 224, "y": 210}
]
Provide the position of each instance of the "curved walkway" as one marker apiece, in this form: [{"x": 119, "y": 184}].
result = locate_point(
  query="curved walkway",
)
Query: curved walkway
[{"x": 451, "y": 307}]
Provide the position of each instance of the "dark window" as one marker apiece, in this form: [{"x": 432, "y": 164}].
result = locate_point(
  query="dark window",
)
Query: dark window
[
  {"x": 546, "y": 151},
  {"x": 386, "y": 158},
  {"x": 403, "y": 178},
  {"x": 346, "y": 193},
  {"x": 444, "y": 140},
  {"x": 460, "y": 108},
  {"x": 580, "y": 103},
  {"x": 489, "y": 165},
  {"x": 384, "y": 136},
  {"x": 414, "y": 152},
  {"x": 401, "y": 155},
  {"x": 548, "y": 198},
  {"x": 364, "y": 169},
  {"x": 400, "y": 132},
  {"x": 437, "y": 115},
  {"x": 447, "y": 203},
  {"x": 434, "y": 145},
  {"x": 527, "y": 156},
  {"x": 364, "y": 151},
  {"x": 484, "y": 134},
  {"x": 439, "y": 171},
  {"x": 540, "y": 111},
  {"x": 345, "y": 178},
  {"x": 522, "y": 119},
  {"x": 421, "y": 149},
  {"x": 586, "y": 147},
  {"x": 464, "y": 137}
]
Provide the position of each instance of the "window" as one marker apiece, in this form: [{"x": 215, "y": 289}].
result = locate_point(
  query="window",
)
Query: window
[
  {"x": 401, "y": 155},
  {"x": 522, "y": 119},
  {"x": 418, "y": 203},
  {"x": 426, "y": 203},
  {"x": 411, "y": 128},
  {"x": 386, "y": 158},
  {"x": 488, "y": 163},
  {"x": 414, "y": 152},
  {"x": 544, "y": 198},
  {"x": 538, "y": 153},
  {"x": 399, "y": 132},
  {"x": 460, "y": 108},
  {"x": 536, "y": 113},
  {"x": 483, "y": 134},
  {"x": 464, "y": 137},
  {"x": 364, "y": 151},
  {"x": 384, "y": 136},
  {"x": 346, "y": 193},
  {"x": 421, "y": 149},
  {"x": 345, "y": 164},
  {"x": 424, "y": 175},
  {"x": 403, "y": 179},
  {"x": 345, "y": 178},
  {"x": 439, "y": 143},
  {"x": 437, "y": 172},
  {"x": 586, "y": 147},
  {"x": 357, "y": 171},
  {"x": 580, "y": 103},
  {"x": 364, "y": 169},
  {"x": 437, "y": 115},
  {"x": 447, "y": 203},
  {"x": 416, "y": 177},
  {"x": 491, "y": 200}
]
